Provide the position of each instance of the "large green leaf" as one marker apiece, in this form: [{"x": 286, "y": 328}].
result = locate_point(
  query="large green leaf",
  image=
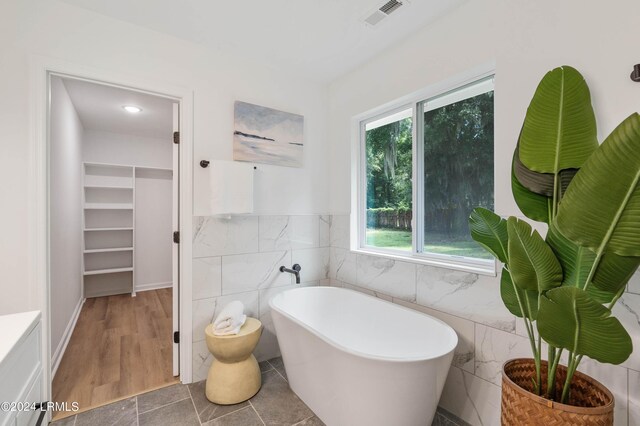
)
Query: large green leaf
[
  {"x": 510, "y": 294},
  {"x": 532, "y": 263},
  {"x": 569, "y": 318},
  {"x": 612, "y": 275},
  {"x": 576, "y": 261},
  {"x": 612, "y": 272},
  {"x": 490, "y": 231},
  {"x": 534, "y": 206},
  {"x": 601, "y": 208},
  {"x": 559, "y": 130},
  {"x": 541, "y": 183}
]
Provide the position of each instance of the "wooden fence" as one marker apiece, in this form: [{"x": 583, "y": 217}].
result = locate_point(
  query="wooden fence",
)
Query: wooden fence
[{"x": 389, "y": 218}]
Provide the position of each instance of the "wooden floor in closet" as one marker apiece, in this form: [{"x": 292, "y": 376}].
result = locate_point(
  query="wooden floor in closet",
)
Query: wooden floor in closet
[{"x": 121, "y": 346}]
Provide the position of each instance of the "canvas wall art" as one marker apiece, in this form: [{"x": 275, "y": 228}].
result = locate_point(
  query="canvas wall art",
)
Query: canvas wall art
[{"x": 266, "y": 135}]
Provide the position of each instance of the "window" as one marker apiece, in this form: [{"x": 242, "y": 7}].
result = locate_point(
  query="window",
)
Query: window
[
  {"x": 424, "y": 167},
  {"x": 388, "y": 147}
]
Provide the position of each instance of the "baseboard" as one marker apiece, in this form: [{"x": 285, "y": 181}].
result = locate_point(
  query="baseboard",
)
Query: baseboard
[
  {"x": 62, "y": 346},
  {"x": 153, "y": 286}
]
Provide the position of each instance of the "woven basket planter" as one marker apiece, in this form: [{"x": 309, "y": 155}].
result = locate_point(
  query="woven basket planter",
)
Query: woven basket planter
[{"x": 590, "y": 402}]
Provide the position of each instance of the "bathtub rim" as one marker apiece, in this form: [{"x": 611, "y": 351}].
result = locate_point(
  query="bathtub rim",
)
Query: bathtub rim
[{"x": 359, "y": 353}]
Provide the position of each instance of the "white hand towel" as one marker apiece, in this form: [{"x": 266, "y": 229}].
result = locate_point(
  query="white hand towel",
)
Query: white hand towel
[
  {"x": 231, "y": 184},
  {"x": 232, "y": 315}
]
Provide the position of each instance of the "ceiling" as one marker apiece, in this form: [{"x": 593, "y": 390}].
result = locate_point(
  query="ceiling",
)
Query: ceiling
[
  {"x": 99, "y": 107},
  {"x": 320, "y": 39}
]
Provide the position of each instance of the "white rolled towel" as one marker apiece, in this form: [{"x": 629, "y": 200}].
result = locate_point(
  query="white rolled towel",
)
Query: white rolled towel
[{"x": 230, "y": 319}]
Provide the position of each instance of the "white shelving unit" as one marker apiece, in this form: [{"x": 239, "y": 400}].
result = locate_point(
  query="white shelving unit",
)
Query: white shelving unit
[
  {"x": 109, "y": 195},
  {"x": 108, "y": 243}
]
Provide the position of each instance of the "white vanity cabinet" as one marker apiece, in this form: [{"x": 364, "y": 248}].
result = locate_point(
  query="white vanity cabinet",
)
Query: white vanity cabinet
[{"x": 20, "y": 366}]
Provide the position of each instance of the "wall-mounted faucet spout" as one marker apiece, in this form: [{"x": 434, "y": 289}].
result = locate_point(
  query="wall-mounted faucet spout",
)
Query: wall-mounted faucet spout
[{"x": 295, "y": 270}]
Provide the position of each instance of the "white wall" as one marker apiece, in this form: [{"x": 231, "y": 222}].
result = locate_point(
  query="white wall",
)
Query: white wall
[
  {"x": 525, "y": 40},
  {"x": 116, "y": 148},
  {"x": 153, "y": 230},
  {"x": 54, "y": 29},
  {"x": 66, "y": 212}
]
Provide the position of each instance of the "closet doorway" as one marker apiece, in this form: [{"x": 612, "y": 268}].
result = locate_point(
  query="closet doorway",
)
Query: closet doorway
[{"x": 113, "y": 210}]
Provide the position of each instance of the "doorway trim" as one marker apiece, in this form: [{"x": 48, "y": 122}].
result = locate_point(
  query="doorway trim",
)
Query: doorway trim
[{"x": 41, "y": 70}]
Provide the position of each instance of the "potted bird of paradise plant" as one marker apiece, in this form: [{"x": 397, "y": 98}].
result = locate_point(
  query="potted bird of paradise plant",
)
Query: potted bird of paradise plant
[{"x": 564, "y": 285}]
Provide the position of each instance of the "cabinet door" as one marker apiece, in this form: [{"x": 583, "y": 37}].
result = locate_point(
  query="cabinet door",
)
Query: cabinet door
[{"x": 29, "y": 418}]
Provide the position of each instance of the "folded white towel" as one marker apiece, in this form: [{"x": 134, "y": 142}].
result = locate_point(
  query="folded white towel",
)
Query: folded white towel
[
  {"x": 232, "y": 329},
  {"x": 231, "y": 323},
  {"x": 230, "y": 319}
]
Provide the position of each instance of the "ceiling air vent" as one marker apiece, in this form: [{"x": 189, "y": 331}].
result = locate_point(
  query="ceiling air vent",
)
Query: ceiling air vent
[
  {"x": 383, "y": 11},
  {"x": 390, "y": 6}
]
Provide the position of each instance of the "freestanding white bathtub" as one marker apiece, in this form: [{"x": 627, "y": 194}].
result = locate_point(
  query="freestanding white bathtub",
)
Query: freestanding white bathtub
[{"x": 358, "y": 360}]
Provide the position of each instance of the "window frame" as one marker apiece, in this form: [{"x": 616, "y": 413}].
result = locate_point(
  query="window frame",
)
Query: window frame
[
  {"x": 362, "y": 209},
  {"x": 415, "y": 102}
]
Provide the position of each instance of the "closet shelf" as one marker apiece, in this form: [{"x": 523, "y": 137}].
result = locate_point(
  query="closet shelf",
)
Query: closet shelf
[
  {"x": 108, "y": 271},
  {"x": 108, "y": 250},
  {"x": 106, "y": 186},
  {"x": 107, "y": 229},
  {"x": 108, "y": 206},
  {"x": 107, "y": 166}
]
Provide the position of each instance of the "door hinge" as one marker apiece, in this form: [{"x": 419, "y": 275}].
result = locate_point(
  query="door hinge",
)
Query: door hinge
[
  {"x": 176, "y": 237},
  {"x": 176, "y": 137},
  {"x": 176, "y": 337}
]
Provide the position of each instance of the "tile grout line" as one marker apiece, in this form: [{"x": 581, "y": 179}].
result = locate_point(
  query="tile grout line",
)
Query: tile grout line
[
  {"x": 280, "y": 374},
  {"x": 475, "y": 349},
  {"x": 304, "y": 420},
  {"x": 194, "y": 405},
  {"x": 259, "y": 245},
  {"x": 256, "y": 411},
  {"x": 164, "y": 405},
  {"x": 229, "y": 413}
]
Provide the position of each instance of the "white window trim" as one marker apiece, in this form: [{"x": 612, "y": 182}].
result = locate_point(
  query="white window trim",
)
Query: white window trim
[{"x": 415, "y": 101}]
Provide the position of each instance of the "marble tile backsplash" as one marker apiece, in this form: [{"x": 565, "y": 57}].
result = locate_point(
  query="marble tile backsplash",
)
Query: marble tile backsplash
[
  {"x": 238, "y": 258},
  {"x": 488, "y": 334},
  {"x": 214, "y": 236},
  {"x": 471, "y": 296},
  {"x": 392, "y": 277}
]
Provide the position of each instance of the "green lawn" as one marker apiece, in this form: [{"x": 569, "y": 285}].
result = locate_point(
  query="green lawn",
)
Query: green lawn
[{"x": 401, "y": 240}]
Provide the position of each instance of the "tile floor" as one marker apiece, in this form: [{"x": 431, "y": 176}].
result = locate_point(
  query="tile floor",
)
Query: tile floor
[{"x": 274, "y": 404}]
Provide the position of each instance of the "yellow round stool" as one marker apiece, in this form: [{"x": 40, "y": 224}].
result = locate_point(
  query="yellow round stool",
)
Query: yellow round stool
[{"x": 234, "y": 375}]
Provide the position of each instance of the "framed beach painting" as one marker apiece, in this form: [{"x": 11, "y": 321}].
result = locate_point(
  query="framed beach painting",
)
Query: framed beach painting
[{"x": 266, "y": 135}]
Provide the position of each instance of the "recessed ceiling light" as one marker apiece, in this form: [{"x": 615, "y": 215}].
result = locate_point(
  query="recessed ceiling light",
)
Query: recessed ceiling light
[{"x": 132, "y": 109}]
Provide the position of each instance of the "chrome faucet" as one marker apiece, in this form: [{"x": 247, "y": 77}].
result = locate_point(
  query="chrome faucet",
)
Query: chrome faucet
[{"x": 295, "y": 270}]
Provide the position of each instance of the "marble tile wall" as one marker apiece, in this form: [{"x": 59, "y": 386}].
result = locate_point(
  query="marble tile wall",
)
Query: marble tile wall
[
  {"x": 238, "y": 259},
  {"x": 488, "y": 334}
]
